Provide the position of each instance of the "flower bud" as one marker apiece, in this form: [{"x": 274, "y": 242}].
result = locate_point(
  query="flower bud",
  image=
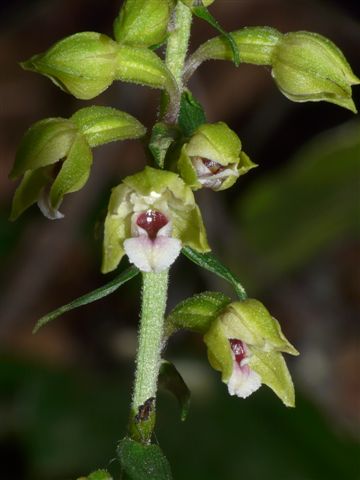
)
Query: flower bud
[
  {"x": 82, "y": 64},
  {"x": 245, "y": 344},
  {"x": 142, "y": 23},
  {"x": 151, "y": 215},
  {"x": 213, "y": 158},
  {"x": 309, "y": 67}
]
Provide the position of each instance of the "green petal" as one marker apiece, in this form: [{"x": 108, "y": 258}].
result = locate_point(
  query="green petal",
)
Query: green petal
[
  {"x": 219, "y": 351},
  {"x": 274, "y": 373},
  {"x": 29, "y": 190},
  {"x": 74, "y": 171},
  {"x": 117, "y": 228}
]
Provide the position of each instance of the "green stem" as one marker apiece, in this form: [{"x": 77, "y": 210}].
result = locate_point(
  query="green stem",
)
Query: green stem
[
  {"x": 176, "y": 50},
  {"x": 154, "y": 296}
]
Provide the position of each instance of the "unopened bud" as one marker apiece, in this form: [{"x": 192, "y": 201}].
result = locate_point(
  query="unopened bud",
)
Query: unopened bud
[
  {"x": 82, "y": 64},
  {"x": 142, "y": 23},
  {"x": 309, "y": 67}
]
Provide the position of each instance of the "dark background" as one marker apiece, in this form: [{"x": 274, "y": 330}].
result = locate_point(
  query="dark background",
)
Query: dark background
[{"x": 289, "y": 229}]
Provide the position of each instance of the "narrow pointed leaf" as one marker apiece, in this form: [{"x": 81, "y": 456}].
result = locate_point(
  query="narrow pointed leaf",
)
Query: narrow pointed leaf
[
  {"x": 142, "y": 462},
  {"x": 90, "y": 297},
  {"x": 204, "y": 14},
  {"x": 191, "y": 114},
  {"x": 171, "y": 380},
  {"x": 211, "y": 263},
  {"x": 196, "y": 313}
]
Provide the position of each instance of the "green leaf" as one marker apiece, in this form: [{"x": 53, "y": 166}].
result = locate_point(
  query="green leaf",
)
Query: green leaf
[
  {"x": 191, "y": 114},
  {"x": 196, "y": 313},
  {"x": 90, "y": 297},
  {"x": 29, "y": 191},
  {"x": 203, "y": 13},
  {"x": 102, "y": 125},
  {"x": 171, "y": 380},
  {"x": 211, "y": 263},
  {"x": 162, "y": 136},
  {"x": 143, "y": 462},
  {"x": 74, "y": 172},
  {"x": 45, "y": 142},
  {"x": 98, "y": 475}
]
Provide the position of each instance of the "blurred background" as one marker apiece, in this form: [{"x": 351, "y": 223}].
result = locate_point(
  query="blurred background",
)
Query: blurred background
[{"x": 289, "y": 229}]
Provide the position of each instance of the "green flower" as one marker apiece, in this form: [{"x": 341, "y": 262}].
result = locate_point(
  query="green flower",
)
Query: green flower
[
  {"x": 309, "y": 67},
  {"x": 213, "y": 158},
  {"x": 151, "y": 215},
  {"x": 245, "y": 344}
]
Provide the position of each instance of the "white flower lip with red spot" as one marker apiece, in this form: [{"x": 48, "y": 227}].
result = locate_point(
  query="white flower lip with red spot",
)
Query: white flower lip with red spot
[
  {"x": 151, "y": 248},
  {"x": 243, "y": 381}
]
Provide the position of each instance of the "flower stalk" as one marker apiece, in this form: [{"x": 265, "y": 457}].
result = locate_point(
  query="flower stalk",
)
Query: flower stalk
[{"x": 154, "y": 296}]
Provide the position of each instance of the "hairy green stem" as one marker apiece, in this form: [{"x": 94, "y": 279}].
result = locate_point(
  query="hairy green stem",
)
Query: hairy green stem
[
  {"x": 176, "y": 50},
  {"x": 154, "y": 296}
]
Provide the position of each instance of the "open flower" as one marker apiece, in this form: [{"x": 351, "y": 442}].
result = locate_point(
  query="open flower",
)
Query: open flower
[
  {"x": 151, "y": 215},
  {"x": 213, "y": 158},
  {"x": 245, "y": 344}
]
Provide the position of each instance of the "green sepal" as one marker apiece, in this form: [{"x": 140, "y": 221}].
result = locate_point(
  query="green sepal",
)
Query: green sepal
[
  {"x": 90, "y": 297},
  {"x": 98, "y": 475},
  {"x": 203, "y": 13},
  {"x": 162, "y": 137},
  {"x": 252, "y": 323},
  {"x": 142, "y": 23},
  {"x": 171, "y": 380},
  {"x": 208, "y": 261},
  {"x": 83, "y": 64},
  {"x": 29, "y": 190},
  {"x": 74, "y": 172},
  {"x": 44, "y": 143},
  {"x": 215, "y": 141},
  {"x": 198, "y": 312},
  {"x": 309, "y": 67},
  {"x": 191, "y": 114},
  {"x": 142, "y": 462},
  {"x": 101, "y": 125},
  {"x": 274, "y": 373}
]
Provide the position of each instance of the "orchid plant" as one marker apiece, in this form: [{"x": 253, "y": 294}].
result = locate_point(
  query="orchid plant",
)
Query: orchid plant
[{"x": 152, "y": 215}]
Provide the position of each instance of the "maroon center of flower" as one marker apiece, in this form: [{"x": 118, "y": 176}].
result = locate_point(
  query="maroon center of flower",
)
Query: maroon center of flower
[
  {"x": 214, "y": 167},
  {"x": 151, "y": 221},
  {"x": 239, "y": 349}
]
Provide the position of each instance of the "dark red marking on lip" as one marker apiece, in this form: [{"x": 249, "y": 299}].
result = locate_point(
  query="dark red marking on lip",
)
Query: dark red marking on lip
[
  {"x": 239, "y": 349},
  {"x": 214, "y": 167},
  {"x": 151, "y": 221}
]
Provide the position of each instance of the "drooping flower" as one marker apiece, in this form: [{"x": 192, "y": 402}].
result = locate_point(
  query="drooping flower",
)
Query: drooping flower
[
  {"x": 245, "y": 343},
  {"x": 151, "y": 215},
  {"x": 213, "y": 158}
]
